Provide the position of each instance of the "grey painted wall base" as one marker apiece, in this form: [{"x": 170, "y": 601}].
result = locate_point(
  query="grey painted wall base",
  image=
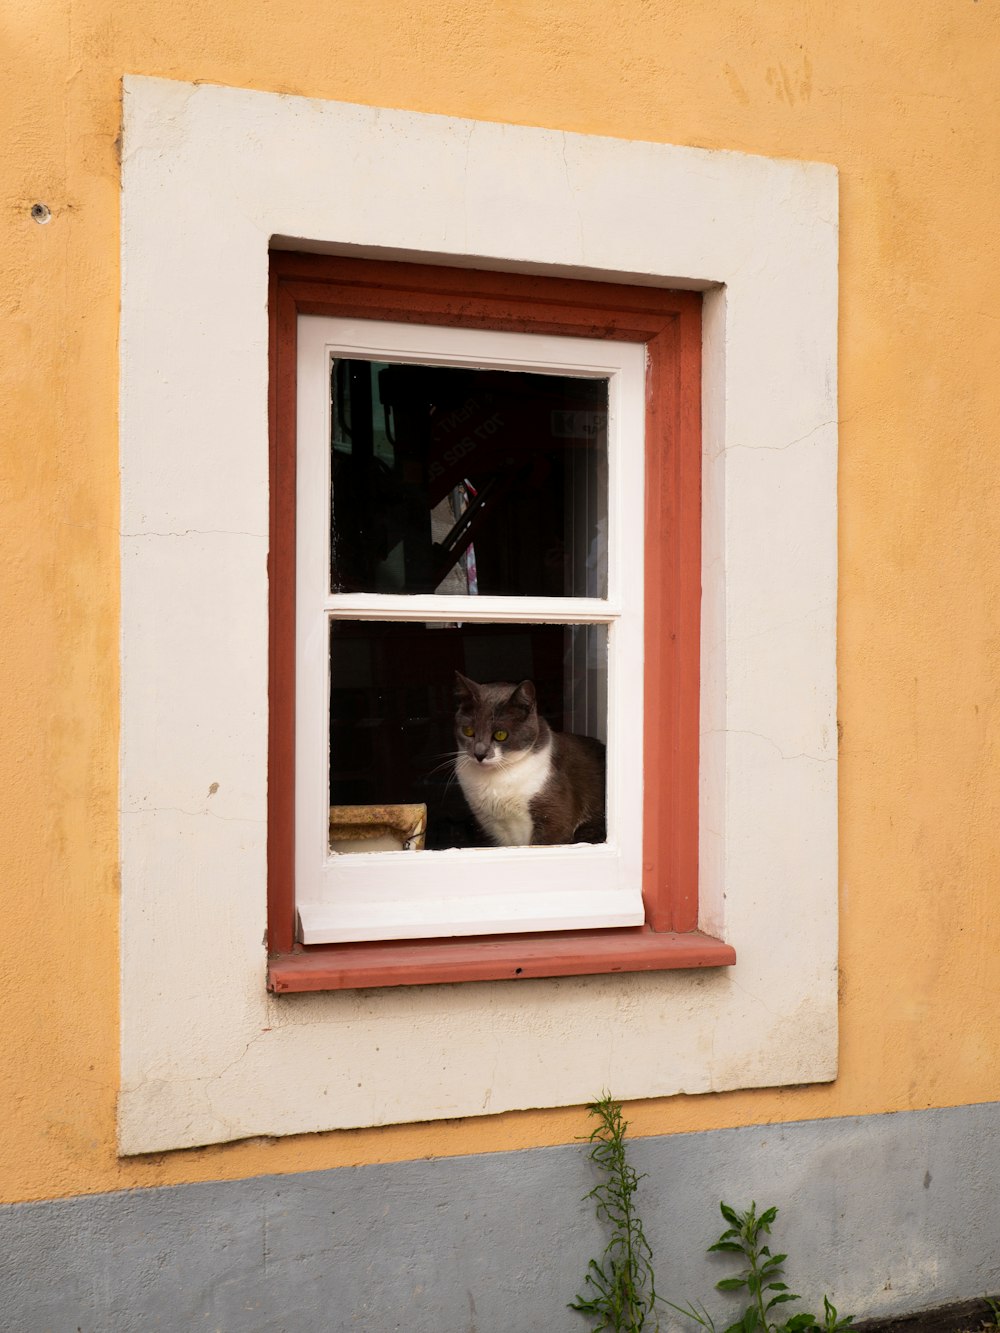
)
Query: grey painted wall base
[{"x": 887, "y": 1213}]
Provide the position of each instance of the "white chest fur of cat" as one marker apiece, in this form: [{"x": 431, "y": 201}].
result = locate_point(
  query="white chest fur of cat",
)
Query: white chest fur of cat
[{"x": 500, "y": 793}]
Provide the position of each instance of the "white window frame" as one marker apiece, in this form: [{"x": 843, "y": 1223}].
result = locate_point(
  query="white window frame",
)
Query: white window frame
[
  {"x": 385, "y": 895},
  {"x": 211, "y": 178}
]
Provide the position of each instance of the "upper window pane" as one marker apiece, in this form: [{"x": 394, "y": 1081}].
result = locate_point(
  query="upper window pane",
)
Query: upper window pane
[{"x": 478, "y": 482}]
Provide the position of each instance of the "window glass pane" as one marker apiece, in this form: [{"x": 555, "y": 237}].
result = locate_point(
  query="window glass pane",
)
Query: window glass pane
[
  {"x": 457, "y": 480},
  {"x": 394, "y": 738}
]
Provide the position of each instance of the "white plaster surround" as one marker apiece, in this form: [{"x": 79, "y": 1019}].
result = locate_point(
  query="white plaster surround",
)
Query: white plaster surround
[{"x": 210, "y": 175}]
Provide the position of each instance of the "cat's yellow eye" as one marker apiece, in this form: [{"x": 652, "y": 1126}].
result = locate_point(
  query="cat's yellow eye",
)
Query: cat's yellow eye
[
  {"x": 500, "y": 734},
  {"x": 468, "y": 731}
]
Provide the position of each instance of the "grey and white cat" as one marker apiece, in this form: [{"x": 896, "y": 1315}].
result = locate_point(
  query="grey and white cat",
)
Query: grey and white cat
[{"x": 525, "y": 783}]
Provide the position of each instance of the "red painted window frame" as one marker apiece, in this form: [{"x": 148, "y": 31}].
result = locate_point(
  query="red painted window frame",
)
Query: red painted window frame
[{"x": 669, "y": 324}]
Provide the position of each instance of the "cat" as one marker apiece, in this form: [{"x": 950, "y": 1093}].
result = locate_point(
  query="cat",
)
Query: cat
[{"x": 526, "y": 784}]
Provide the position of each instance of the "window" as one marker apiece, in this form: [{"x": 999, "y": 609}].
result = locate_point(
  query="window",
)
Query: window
[
  {"x": 757, "y": 239},
  {"x": 489, "y": 474}
]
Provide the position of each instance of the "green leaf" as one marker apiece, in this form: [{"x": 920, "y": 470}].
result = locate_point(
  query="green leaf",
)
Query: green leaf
[
  {"x": 800, "y": 1321},
  {"x": 730, "y": 1214},
  {"x": 731, "y": 1284},
  {"x": 776, "y": 1286},
  {"x": 832, "y": 1322},
  {"x": 785, "y": 1296},
  {"x": 731, "y": 1246},
  {"x": 701, "y": 1317},
  {"x": 740, "y": 1325},
  {"x": 767, "y": 1218}
]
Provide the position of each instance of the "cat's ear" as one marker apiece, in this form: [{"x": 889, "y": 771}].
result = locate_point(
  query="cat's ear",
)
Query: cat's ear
[
  {"x": 465, "y": 688},
  {"x": 524, "y": 696}
]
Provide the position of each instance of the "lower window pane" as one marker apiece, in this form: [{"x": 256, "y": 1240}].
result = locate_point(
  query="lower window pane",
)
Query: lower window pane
[{"x": 394, "y": 742}]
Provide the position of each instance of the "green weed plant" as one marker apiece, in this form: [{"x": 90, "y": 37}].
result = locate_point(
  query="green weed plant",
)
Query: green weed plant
[
  {"x": 620, "y": 1287},
  {"x": 760, "y": 1279}
]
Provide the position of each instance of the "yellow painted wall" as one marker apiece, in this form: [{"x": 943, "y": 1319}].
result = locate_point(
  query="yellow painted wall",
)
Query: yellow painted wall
[{"x": 903, "y": 96}]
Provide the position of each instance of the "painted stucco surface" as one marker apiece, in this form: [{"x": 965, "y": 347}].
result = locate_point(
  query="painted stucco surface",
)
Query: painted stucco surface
[
  {"x": 904, "y": 102},
  {"x": 193, "y": 460}
]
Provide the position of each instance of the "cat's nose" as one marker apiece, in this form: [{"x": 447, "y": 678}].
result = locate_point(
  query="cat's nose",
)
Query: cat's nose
[{"x": 481, "y": 754}]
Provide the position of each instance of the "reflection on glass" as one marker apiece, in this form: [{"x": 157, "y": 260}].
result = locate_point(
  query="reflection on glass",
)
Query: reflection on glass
[
  {"x": 456, "y": 480},
  {"x": 393, "y": 710}
]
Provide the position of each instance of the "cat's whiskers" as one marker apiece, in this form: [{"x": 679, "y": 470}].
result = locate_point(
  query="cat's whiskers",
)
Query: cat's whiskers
[
  {"x": 447, "y": 758},
  {"x": 448, "y": 762}
]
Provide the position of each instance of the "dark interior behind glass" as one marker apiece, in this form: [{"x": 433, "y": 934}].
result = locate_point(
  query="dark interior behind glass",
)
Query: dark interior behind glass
[
  {"x": 392, "y": 706},
  {"x": 475, "y": 483},
  {"x": 458, "y": 480}
]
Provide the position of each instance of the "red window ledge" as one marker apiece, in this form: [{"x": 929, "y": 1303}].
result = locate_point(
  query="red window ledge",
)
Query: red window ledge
[{"x": 493, "y": 958}]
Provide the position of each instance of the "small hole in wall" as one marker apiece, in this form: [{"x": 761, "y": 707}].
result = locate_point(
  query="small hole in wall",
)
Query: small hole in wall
[
  {"x": 518, "y": 971},
  {"x": 41, "y": 213}
]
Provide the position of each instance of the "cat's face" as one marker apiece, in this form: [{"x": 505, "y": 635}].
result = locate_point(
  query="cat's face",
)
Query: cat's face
[{"x": 496, "y": 723}]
